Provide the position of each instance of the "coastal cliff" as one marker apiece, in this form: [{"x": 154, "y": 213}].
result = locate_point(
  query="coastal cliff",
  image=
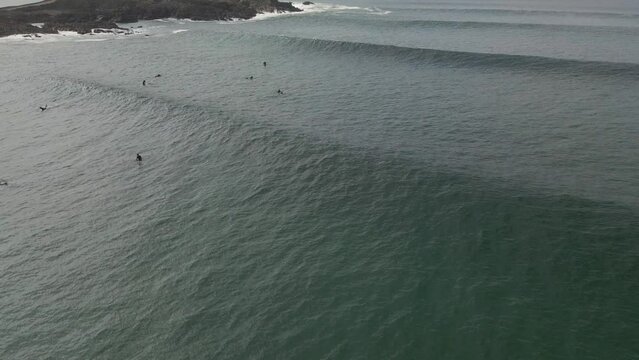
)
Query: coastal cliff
[{"x": 84, "y": 15}]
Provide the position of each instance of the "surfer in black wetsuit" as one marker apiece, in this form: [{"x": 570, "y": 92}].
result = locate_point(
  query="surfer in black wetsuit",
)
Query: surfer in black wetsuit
[
  {"x": 280, "y": 92},
  {"x": 143, "y": 82},
  {"x": 138, "y": 157},
  {"x": 158, "y": 75},
  {"x": 44, "y": 108},
  {"x": 264, "y": 63}
]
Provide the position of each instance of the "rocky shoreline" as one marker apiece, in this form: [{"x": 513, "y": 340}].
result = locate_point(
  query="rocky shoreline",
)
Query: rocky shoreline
[{"x": 90, "y": 16}]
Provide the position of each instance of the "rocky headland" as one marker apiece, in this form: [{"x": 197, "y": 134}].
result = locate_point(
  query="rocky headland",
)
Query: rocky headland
[{"x": 84, "y": 16}]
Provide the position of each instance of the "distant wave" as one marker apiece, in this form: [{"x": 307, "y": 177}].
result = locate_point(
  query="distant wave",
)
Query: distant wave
[
  {"x": 460, "y": 58},
  {"x": 467, "y": 24},
  {"x": 491, "y": 24},
  {"x": 502, "y": 11}
]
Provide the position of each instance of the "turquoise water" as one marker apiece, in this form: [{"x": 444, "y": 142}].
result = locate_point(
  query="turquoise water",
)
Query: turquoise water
[{"x": 446, "y": 180}]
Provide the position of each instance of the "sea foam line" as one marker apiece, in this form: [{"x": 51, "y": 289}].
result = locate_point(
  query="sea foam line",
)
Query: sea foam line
[
  {"x": 308, "y": 9},
  {"x": 96, "y": 35}
]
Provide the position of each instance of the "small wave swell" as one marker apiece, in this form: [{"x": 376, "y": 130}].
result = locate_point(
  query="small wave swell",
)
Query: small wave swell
[
  {"x": 495, "y": 25},
  {"x": 460, "y": 58},
  {"x": 522, "y": 12}
]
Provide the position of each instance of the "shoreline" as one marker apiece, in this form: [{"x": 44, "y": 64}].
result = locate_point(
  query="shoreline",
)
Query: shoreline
[
  {"x": 24, "y": 6},
  {"x": 55, "y": 16}
]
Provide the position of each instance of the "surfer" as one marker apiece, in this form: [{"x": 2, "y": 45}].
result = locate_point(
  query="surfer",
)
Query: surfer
[
  {"x": 279, "y": 91},
  {"x": 138, "y": 157},
  {"x": 44, "y": 108},
  {"x": 264, "y": 63},
  {"x": 143, "y": 82},
  {"x": 158, "y": 75},
  {"x": 3, "y": 182}
]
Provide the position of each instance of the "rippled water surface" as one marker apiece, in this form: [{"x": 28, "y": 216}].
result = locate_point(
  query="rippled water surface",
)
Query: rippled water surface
[{"x": 440, "y": 180}]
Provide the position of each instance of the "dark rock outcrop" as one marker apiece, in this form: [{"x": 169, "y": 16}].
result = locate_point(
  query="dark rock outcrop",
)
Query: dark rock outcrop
[
  {"x": 84, "y": 15},
  {"x": 82, "y": 27},
  {"x": 16, "y": 27}
]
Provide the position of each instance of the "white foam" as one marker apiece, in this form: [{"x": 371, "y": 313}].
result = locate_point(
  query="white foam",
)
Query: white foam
[
  {"x": 309, "y": 9},
  {"x": 179, "y": 31},
  {"x": 378, "y": 11},
  {"x": 33, "y": 38},
  {"x": 91, "y": 40},
  {"x": 68, "y": 33},
  {"x": 174, "y": 20},
  {"x": 100, "y": 35},
  {"x": 325, "y": 7}
]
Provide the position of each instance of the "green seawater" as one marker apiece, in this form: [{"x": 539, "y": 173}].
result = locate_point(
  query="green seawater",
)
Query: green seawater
[{"x": 450, "y": 180}]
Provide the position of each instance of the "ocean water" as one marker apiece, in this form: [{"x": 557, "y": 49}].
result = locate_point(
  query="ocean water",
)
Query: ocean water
[{"x": 439, "y": 180}]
